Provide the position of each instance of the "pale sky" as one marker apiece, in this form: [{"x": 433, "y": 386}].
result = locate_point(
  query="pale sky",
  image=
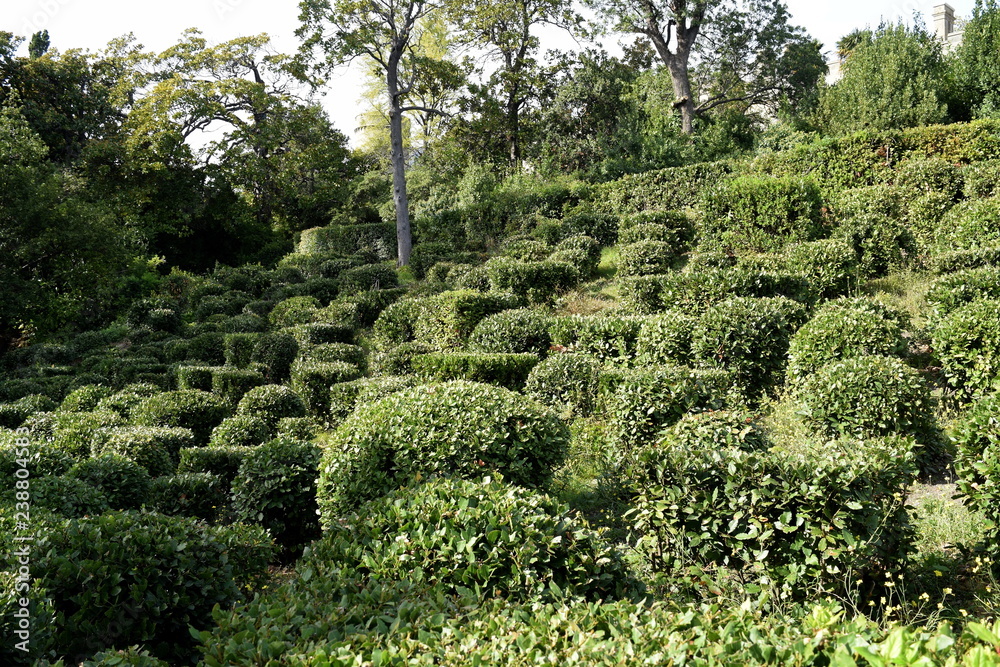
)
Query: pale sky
[{"x": 91, "y": 24}]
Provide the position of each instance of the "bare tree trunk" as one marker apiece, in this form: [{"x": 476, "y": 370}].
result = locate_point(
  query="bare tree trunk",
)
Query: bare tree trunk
[
  {"x": 682, "y": 93},
  {"x": 404, "y": 239}
]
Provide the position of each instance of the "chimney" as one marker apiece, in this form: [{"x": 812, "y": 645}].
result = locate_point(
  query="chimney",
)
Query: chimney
[{"x": 944, "y": 21}]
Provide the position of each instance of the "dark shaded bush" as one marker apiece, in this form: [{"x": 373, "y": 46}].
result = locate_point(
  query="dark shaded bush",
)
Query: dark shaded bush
[
  {"x": 275, "y": 487},
  {"x": 125, "y": 484},
  {"x": 221, "y": 461},
  {"x": 276, "y": 352},
  {"x": 195, "y": 495},
  {"x": 311, "y": 380},
  {"x": 508, "y": 370},
  {"x": 154, "y": 448}
]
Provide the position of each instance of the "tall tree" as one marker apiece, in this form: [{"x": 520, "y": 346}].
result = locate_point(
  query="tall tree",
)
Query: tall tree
[
  {"x": 505, "y": 31},
  {"x": 740, "y": 43},
  {"x": 335, "y": 32},
  {"x": 979, "y": 59}
]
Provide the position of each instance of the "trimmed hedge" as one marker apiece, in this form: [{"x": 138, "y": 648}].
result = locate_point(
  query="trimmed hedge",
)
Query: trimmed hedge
[
  {"x": 221, "y": 461},
  {"x": 967, "y": 344},
  {"x": 154, "y": 448},
  {"x": 195, "y": 495},
  {"x": 605, "y": 337},
  {"x": 761, "y": 213},
  {"x": 447, "y": 319},
  {"x": 242, "y": 430},
  {"x": 349, "y": 239},
  {"x": 666, "y": 339},
  {"x": 830, "y": 266},
  {"x": 565, "y": 381},
  {"x": 696, "y": 291},
  {"x": 663, "y": 190},
  {"x": 501, "y": 369},
  {"x": 512, "y": 331},
  {"x": 425, "y": 431},
  {"x": 639, "y": 403},
  {"x": 329, "y": 352},
  {"x": 841, "y": 333},
  {"x": 124, "y": 483},
  {"x": 345, "y": 396},
  {"x": 955, "y": 290},
  {"x": 293, "y": 311},
  {"x": 957, "y": 260},
  {"x": 971, "y": 224},
  {"x": 538, "y": 282},
  {"x": 121, "y": 578},
  {"x": 977, "y": 438},
  {"x": 368, "y": 277},
  {"x": 272, "y": 403},
  {"x": 882, "y": 245},
  {"x": 275, "y": 352},
  {"x": 311, "y": 380},
  {"x": 199, "y": 411},
  {"x": 749, "y": 337},
  {"x": 231, "y": 384},
  {"x": 813, "y": 518},
  {"x": 868, "y": 396},
  {"x": 644, "y": 258}
]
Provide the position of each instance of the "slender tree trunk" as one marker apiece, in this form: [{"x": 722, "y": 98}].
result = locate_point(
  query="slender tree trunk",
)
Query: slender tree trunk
[
  {"x": 514, "y": 129},
  {"x": 404, "y": 240}
]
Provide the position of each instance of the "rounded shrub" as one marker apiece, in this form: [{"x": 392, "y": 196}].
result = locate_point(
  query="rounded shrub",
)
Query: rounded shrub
[
  {"x": 666, "y": 339},
  {"x": 85, "y": 398},
  {"x": 330, "y": 352},
  {"x": 12, "y": 415},
  {"x": 124, "y": 483},
  {"x": 589, "y": 249},
  {"x": 866, "y": 304},
  {"x": 73, "y": 432},
  {"x": 154, "y": 448},
  {"x": 645, "y": 258},
  {"x": 207, "y": 348},
  {"x": 199, "y": 411},
  {"x": 867, "y": 396},
  {"x": 271, "y": 402},
  {"x": 673, "y": 227},
  {"x": 973, "y": 223},
  {"x": 963, "y": 287},
  {"x": 293, "y": 311},
  {"x": 749, "y": 337},
  {"x": 344, "y": 396},
  {"x": 838, "y": 334},
  {"x": 396, "y": 324},
  {"x": 967, "y": 343},
  {"x": 275, "y": 487},
  {"x": 311, "y": 380},
  {"x": 318, "y": 333},
  {"x": 368, "y": 277},
  {"x": 462, "y": 429},
  {"x": 716, "y": 429},
  {"x": 44, "y": 460},
  {"x": 512, "y": 331},
  {"x": 882, "y": 245},
  {"x": 142, "y": 587},
  {"x": 830, "y": 265},
  {"x": 479, "y": 535},
  {"x": 565, "y": 381},
  {"x": 196, "y": 495},
  {"x": 66, "y": 496},
  {"x": 446, "y": 320},
  {"x": 977, "y": 462},
  {"x": 242, "y": 430}
]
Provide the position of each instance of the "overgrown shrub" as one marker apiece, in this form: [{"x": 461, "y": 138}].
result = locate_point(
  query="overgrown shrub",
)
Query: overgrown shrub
[
  {"x": 508, "y": 370},
  {"x": 121, "y": 578},
  {"x": 199, "y": 411},
  {"x": 512, "y": 331},
  {"x": 838, "y": 334},
  {"x": 125, "y": 484},
  {"x": 195, "y": 495},
  {"x": 425, "y": 432},
  {"x": 311, "y": 380},
  {"x": 749, "y": 337},
  {"x": 602, "y": 227},
  {"x": 565, "y": 381},
  {"x": 761, "y": 213}
]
